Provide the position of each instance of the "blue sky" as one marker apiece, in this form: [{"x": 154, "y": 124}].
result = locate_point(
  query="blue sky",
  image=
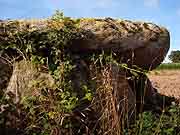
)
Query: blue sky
[{"x": 162, "y": 12}]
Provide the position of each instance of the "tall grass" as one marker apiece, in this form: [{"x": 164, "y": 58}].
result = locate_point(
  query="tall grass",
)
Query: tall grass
[{"x": 169, "y": 66}]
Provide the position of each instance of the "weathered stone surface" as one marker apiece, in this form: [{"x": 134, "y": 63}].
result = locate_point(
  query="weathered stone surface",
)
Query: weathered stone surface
[
  {"x": 26, "y": 80},
  {"x": 124, "y": 94},
  {"x": 139, "y": 43}
]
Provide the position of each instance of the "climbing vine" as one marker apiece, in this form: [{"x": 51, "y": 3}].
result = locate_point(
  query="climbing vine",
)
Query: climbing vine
[{"x": 47, "y": 48}]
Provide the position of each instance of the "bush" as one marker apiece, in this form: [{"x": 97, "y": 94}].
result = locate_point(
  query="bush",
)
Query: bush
[
  {"x": 175, "y": 56},
  {"x": 165, "y": 123}
]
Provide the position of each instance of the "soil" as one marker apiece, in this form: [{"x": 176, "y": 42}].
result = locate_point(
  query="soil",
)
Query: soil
[{"x": 167, "y": 82}]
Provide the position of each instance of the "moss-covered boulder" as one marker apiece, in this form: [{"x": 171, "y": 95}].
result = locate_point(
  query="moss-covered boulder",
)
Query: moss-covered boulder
[
  {"x": 82, "y": 75},
  {"x": 138, "y": 43}
]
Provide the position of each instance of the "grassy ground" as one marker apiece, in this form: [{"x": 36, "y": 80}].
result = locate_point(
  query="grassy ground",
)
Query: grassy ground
[{"x": 169, "y": 66}]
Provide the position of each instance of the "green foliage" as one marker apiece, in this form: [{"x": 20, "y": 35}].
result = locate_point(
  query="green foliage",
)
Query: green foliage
[
  {"x": 175, "y": 56},
  {"x": 58, "y": 16},
  {"x": 53, "y": 107},
  {"x": 148, "y": 123}
]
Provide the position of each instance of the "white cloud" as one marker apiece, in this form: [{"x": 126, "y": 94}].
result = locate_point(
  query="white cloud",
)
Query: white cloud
[
  {"x": 152, "y": 3},
  {"x": 88, "y": 5},
  {"x": 178, "y": 12},
  {"x": 104, "y": 3}
]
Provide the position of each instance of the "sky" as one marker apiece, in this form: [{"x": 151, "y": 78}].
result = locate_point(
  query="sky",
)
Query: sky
[{"x": 162, "y": 12}]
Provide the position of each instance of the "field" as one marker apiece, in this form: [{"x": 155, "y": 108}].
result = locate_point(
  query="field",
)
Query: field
[
  {"x": 169, "y": 66},
  {"x": 167, "y": 79}
]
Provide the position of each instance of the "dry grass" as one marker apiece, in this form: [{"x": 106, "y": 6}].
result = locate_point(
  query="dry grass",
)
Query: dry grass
[{"x": 114, "y": 101}]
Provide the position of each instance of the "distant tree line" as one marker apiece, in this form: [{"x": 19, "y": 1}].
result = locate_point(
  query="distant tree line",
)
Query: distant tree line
[{"x": 175, "y": 56}]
